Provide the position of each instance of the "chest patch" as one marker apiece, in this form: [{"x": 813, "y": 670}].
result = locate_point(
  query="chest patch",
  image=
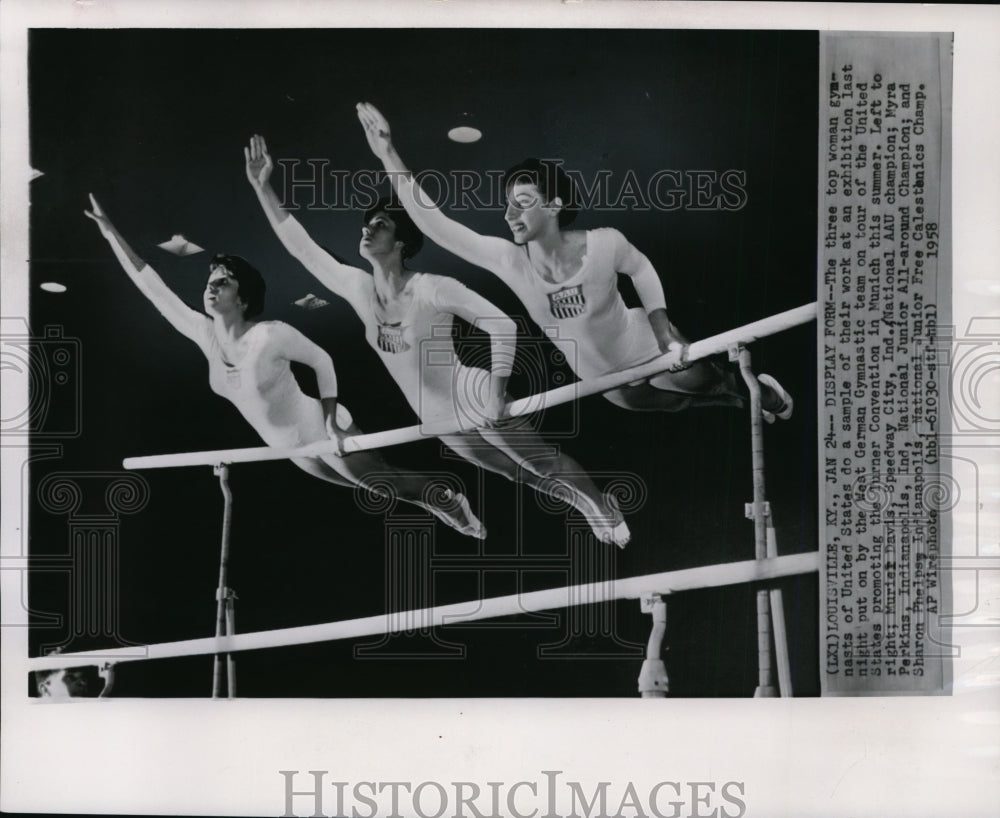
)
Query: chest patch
[
  {"x": 390, "y": 338},
  {"x": 568, "y": 302}
]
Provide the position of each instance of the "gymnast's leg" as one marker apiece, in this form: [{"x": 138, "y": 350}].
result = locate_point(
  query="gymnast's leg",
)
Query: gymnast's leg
[
  {"x": 700, "y": 383},
  {"x": 473, "y": 448},
  {"x": 317, "y": 468},
  {"x": 659, "y": 395},
  {"x": 525, "y": 457},
  {"x": 369, "y": 470},
  {"x": 662, "y": 395}
]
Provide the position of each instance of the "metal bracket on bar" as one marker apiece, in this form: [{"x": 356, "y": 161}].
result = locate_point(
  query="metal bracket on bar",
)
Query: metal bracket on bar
[
  {"x": 107, "y": 672},
  {"x": 653, "y": 681},
  {"x": 748, "y": 510}
]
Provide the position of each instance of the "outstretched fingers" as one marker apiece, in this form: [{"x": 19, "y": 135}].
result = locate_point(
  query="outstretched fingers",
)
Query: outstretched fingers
[
  {"x": 372, "y": 120},
  {"x": 96, "y": 212},
  {"x": 363, "y": 117},
  {"x": 258, "y": 162},
  {"x": 257, "y": 149}
]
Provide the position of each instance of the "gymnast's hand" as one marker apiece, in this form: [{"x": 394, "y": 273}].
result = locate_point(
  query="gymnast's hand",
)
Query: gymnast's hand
[
  {"x": 670, "y": 339},
  {"x": 679, "y": 351},
  {"x": 97, "y": 214},
  {"x": 376, "y": 129},
  {"x": 259, "y": 164},
  {"x": 495, "y": 412},
  {"x": 335, "y": 433}
]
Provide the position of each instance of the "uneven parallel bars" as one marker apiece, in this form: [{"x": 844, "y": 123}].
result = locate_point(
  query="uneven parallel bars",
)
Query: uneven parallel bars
[
  {"x": 580, "y": 389},
  {"x": 705, "y": 576}
]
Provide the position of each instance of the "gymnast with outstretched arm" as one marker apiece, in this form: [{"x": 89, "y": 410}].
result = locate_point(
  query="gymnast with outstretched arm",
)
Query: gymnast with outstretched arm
[
  {"x": 407, "y": 317},
  {"x": 568, "y": 279},
  {"x": 249, "y": 365}
]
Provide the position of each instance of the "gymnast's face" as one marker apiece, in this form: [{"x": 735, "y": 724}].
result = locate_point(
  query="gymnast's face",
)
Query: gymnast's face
[
  {"x": 63, "y": 684},
  {"x": 222, "y": 293},
  {"x": 528, "y": 214},
  {"x": 378, "y": 237}
]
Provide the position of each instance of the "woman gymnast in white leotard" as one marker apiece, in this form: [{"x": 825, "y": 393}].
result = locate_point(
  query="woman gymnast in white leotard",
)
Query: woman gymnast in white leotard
[
  {"x": 567, "y": 279},
  {"x": 407, "y": 317},
  {"x": 249, "y": 365}
]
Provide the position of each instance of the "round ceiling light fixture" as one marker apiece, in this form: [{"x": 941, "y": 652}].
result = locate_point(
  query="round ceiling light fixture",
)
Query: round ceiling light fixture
[{"x": 465, "y": 132}]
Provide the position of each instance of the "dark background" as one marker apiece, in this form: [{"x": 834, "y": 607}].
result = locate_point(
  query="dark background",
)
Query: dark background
[{"x": 153, "y": 123}]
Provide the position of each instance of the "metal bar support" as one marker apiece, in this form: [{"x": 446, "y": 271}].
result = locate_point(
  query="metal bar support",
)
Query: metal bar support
[
  {"x": 653, "y": 681},
  {"x": 225, "y": 598}
]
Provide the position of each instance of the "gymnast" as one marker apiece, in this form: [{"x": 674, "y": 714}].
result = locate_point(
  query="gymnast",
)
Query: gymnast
[
  {"x": 568, "y": 279},
  {"x": 408, "y": 316},
  {"x": 249, "y": 365},
  {"x": 94, "y": 681}
]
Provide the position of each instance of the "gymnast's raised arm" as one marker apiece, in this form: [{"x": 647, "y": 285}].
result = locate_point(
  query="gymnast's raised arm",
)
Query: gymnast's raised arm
[
  {"x": 487, "y": 252},
  {"x": 341, "y": 279},
  {"x": 184, "y": 319}
]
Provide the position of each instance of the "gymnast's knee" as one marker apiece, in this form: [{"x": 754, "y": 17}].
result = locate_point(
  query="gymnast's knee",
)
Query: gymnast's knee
[
  {"x": 484, "y": 456},
  {"x": 546, "y": 466},
  {"x": 648, "y": 399}
]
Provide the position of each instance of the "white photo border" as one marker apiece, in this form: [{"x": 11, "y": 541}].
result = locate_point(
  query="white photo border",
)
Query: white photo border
[{"x": 905, "y": 756}]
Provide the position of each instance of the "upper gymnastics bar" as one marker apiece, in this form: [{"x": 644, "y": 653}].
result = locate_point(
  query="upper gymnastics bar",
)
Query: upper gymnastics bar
[
  {"x": 580, "y": 389},
  {"x": 704, "y": 576}
]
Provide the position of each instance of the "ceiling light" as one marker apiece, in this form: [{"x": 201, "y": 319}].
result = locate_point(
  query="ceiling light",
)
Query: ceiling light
[{"x": 465, "y": 131}]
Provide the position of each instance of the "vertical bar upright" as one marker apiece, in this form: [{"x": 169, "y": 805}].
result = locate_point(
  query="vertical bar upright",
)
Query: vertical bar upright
[
  {"x": 224, "y": 611},
  {"x": 765, "y": 670},
  {"x": 653, "y": 681}
]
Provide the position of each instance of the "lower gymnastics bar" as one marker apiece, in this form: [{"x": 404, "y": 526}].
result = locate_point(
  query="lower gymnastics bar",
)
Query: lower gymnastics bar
[
  {"x": 686, "y": 579},
  {"x": 714, "y": 345}
]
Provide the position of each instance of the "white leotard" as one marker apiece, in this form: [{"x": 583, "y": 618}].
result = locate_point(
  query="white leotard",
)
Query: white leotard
[
  {"x": 261, "y": 384},
  {"x": 585, "y": 315},
  {"x": 414, "y": 340}
]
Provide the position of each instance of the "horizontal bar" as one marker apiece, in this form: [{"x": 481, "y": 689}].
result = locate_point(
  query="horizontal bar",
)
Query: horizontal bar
[
  {"x": 686, "y": 579},
  {"x": 564, "y": 394}
]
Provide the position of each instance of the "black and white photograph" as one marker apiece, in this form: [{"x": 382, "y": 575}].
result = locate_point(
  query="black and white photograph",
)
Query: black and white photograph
[
  {"x": 455, "y": 411},
  {"x": 407, "y": 326}
]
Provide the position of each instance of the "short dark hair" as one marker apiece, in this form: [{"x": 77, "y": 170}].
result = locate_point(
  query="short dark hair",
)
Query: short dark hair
[
  {"x": 80, "y": 678},
  {"x": 406, "y": 231},
  {"x": 251, "y": 282},
  {"x": 551, "y": 180}
]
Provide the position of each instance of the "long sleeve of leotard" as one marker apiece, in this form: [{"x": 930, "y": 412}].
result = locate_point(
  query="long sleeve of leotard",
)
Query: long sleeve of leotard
[
  {"x": 294, "y": 346},
  {"x": 454, "y": 297},
  {"x": 348, "y": 282},
  {"x": 631, "y": 262},
  {"x": 489, "y": 252},
  {"x": 187, "y": 321}
]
